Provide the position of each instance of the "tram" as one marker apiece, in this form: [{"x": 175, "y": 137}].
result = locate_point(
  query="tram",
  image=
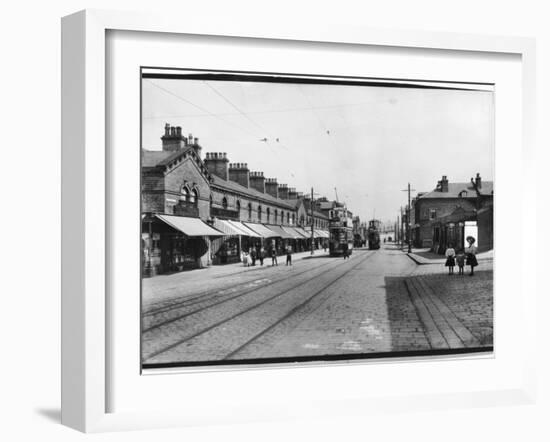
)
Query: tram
[
  {"x": 341, "y": 232},
  {"x": 373, "y": 234}
]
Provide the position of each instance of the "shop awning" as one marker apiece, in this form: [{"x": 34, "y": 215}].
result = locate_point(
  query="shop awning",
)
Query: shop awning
[
  {"x": 189, "y": 226},
  {"x": 282, "y": 233},
  {"x": 304, "y": 232},
  {"x": 323, "y": 233},
  {"x": 226, "y": 227},
  {"x": 262, "y": 230},
  {"x": 294, "y": 232},
  {"x": 245, "y": 231}
]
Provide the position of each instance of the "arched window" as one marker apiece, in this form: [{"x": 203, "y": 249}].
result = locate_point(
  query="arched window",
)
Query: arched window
[
  {"x": 184, "y": 194},
  {"x": 211, "y": 200},
  {"x": 276, "y": 216},
  {"x": 302, "y": 220},
  {"x": 268, "y": 214},
  {"x": 260, "y": 213},
  {"x": 194, "y": 197},
  {"x": 288, "y": 217},
  {"x": 293, "y": 218},
  {"x": 239, "y": 208},
  {"x": 224, "y": 202},
  {"x": 249, "y": 212}
]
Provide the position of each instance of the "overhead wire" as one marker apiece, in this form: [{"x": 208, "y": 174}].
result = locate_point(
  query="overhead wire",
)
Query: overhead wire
[{"x": 206, "y": 111}]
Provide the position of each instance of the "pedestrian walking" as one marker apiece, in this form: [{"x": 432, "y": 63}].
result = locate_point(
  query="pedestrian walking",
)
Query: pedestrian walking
[
  {"x": 345, "y": 250},
  {"x": 460, "y": 263},
  {"x": 253, "y": 255},
  {"x": 261, "y": 255},
  {"x": 471, "y": 252},
  {"x": 450, "y": 254},
  {"x": 274, "y": 257},
  {"x": 289, "y": 255}
]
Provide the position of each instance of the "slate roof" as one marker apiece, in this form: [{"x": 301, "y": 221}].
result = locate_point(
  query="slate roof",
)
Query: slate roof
[
  {"x": 316, "y": 213},
  {"x": 152, "y": 158},
  {"x": 253, "y": 193},
  {"x": 456, "y": 188}
]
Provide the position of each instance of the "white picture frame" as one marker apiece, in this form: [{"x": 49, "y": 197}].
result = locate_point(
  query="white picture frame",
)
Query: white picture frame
[{"x": 85, "y": 232}]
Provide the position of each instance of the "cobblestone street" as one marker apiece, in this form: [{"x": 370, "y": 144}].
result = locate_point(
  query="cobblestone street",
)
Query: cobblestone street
[{"x": 378, "y": 301}]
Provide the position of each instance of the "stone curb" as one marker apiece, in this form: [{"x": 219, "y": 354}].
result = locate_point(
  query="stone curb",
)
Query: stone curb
[{"x": 423, "y": 261}]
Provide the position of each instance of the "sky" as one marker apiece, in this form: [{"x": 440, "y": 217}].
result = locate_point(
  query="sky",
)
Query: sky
[{"x": 367, "y": 142}]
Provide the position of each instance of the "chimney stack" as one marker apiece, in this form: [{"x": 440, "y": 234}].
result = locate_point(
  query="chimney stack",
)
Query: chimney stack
[
  {"x": 194, "y": 143},
  {"x": 271, "y": 187},
  {"x": 239, "y": 173},
  {"x": 444, "y": 184},
  {"x": 478, "y": 181},
  {"x": 216, "y": 163},
  {"x": 283, "y": 191},
  {"x": 257, "y": 181},
  {"x": 292, "y": 194},
  {"x": 173, "y": 140}
]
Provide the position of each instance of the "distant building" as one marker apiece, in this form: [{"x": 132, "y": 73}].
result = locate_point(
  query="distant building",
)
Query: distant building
[{"x": 438, "y": 217}]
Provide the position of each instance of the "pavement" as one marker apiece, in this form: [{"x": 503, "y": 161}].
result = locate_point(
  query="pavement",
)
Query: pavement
[
  {"x": 163, "y": 287},
  {"x": 425, "y": 256},
  {"x": 376, "y": 302}
]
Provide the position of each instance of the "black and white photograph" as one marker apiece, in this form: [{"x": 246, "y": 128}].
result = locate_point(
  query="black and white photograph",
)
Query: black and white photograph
[{"x": 292, "y": 218}]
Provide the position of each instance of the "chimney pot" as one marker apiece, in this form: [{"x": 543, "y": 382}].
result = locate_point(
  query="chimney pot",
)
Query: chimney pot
[
  {"x": 217, "y": 164},
  {"x": 478, "y": 180}
]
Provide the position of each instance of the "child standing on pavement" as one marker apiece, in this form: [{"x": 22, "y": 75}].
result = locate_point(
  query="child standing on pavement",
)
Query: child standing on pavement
[
  {"x": 289, "y": 256},
  {"x": 274, "y": 257},
  {"x": 261, "y": 255},
  {"x": 460, "y": 263},
  {"x": 450, "y": 254}
]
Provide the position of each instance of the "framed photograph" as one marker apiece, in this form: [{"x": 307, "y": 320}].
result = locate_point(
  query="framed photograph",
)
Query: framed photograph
[{"x": 285, "y": 219}]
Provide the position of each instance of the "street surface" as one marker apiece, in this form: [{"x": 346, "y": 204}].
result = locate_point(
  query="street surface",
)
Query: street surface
[{"x": 377, "y": 301}]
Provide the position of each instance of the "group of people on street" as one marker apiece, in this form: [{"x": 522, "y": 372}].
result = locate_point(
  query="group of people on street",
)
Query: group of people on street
[
  {"x": 468, "y": 257},
  {"x": 249, "y": 258}
]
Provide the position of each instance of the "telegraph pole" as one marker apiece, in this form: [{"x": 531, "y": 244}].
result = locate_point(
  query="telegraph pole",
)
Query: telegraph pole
[
  {"x": 408, "y": 190},
  {"x": 398, "y": 237}
]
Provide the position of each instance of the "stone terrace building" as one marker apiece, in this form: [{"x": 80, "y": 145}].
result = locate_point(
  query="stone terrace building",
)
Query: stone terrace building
[
  {"x": 439, "y": 216},
  {"x": 181, "y": 191}
]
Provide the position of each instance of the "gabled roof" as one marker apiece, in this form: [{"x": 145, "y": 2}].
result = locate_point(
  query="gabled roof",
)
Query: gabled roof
[
  {"x": 253, "y": 193},
  {"x": 467, "y": 190},
  {"x": 153, "y": 158}
]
